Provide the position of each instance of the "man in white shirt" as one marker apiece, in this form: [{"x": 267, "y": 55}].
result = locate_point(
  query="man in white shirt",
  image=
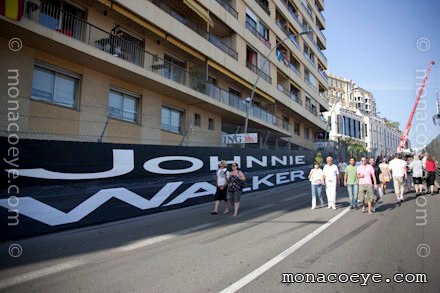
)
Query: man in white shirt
[
  {"x": 329, "y": 178},
  {"x": 397, "y": 167},
  {"x": 221, "y": 192},
  {"x": 342, "y": 166}
]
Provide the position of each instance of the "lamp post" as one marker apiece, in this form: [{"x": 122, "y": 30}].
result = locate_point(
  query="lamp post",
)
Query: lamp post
[{"x": 251, "y": 98}]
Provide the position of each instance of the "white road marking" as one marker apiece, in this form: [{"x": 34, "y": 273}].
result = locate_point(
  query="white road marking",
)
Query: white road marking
[
  {"x": 161, "y": 238},
  {"x": 265, "y": 267},
  {"x": 40, "y": 273}
]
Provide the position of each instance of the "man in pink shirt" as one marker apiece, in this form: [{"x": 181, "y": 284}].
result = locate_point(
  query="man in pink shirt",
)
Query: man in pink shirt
[{"x": 365, "y": 173}]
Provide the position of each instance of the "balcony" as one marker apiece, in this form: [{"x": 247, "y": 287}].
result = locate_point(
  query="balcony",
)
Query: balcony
[
  {"x": 288, "y": 34},
  {"x": 228, "y": 8},
  {"x": 322, "y": 73},
  {"x": 199, "y": 30},
  {"x": 258, "y": 35},
  {"x": 309, "y": 11},
  {"x": 294, "y": 69},
  {"x": 264, "y": 4},
  {"x": 319, "y": 11},
  {"x": 312, "y": 109},
  {"x": 310, "y": 59},
  {"x": 258, "y": 72},
  {"x": 321, "y": 33},
  {"x": 294, "y": 97},
  {"x": 316, "y": 46},
  {"x": 48, "y": 16},
  {"x": 311, "y": 84}
]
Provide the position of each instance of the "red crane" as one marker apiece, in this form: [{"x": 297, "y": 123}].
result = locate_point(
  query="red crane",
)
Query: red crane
[{"x": 404, "y": 136}]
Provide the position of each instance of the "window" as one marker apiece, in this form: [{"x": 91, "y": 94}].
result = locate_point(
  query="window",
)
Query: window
[
  {"x": 171, "y": 119},
  {"x": 296, "y": 128},
  {"x": 197, "y": 120},
  {"x": 55, "y": 85},
  {"x": 251, "y": 56},
  {"x": 306, "y": 133},
  {"x": 123, "y": 105},
  {"x": 251, "y": 20},
  {"x": 263, "y": 30},
  {"x": 174, "y": 69},
  {"x": 211, "y": 124}
]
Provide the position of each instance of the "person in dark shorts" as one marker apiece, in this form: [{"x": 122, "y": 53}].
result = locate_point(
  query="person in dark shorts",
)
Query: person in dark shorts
[
  {"x": 431, "y": 166},
  {"x": 376, "y": 191},
  {"x": 416, "y": 167},
  {"x": 235, "y": 186},
  {"x": 221, "y": 193}
]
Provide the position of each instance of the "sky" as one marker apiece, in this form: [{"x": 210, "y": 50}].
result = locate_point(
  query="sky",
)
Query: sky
[{"x": 385, "y": 47}]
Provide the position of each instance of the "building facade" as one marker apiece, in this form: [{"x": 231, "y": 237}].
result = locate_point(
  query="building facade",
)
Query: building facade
[
  {"x": 353, "y": 118},
  {"x": 167, "y": 72}
]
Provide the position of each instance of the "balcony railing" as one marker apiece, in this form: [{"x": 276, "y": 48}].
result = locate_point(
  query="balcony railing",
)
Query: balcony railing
[
  {"x": 316, "y": 46},
  {"x": 228, "y": 7},
  {"x": 309, "y": 11},
  {"x": 288, "y": 34},
  {"x": 258, "y": 71},
  {"x": 292, "y": 12},
  {"x": 310, "y": 59},
  {"x": 311, "y": 109},
  {"x": 290, "y": 94},
  {"x": 294, "y": 69},
  {"x": 322, "y": 73},
  {"x": 264, "y": 5},
  {"x": 321, "y": 33},
  {"x": 252, "y": 29},
  {"x": 71, "y": 26},
  {"x": 310, "y": 84},
  {"x": 201, "y": 31},
  {"x": 319, "y": 11}
]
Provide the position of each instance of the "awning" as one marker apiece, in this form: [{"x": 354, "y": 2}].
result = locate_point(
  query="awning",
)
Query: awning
[
  {"x": 239, "y": 80},
  {"x": 184, "y": 47},
  {"x": 200, "y": 10},
  {"x": 12, "y": 9}
]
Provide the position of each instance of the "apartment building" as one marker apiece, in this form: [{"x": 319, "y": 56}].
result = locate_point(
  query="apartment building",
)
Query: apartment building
[{"x": 175, "y": 72}]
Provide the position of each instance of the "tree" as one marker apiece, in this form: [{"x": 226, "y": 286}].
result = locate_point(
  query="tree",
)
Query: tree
[
  {"x": 356, "y": 150},
  {"x": 318, "y": 158}
]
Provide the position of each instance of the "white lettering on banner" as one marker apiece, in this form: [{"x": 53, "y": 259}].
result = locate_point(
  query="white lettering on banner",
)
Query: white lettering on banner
[
  {"x": 250, "y": 160},
  {"x": 153, "y": 165},
  {"x": 44, "y": 213},
  {"x": 123, "y": 163},
  {"x": 214, "y": 160},
  {"x": 299, "y": 160},
  {"x": 282, "y": 162}
]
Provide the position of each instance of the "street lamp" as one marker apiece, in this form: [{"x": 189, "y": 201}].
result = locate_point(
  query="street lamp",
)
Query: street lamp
[{"x": 251, "y": 98}]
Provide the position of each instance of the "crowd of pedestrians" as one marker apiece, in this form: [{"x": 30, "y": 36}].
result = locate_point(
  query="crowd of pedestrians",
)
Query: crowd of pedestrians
[{"x": 366, "y": 180}]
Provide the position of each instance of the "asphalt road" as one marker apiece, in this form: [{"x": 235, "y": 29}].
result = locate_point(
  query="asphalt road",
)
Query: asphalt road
[{"x": 276, "y": 233}]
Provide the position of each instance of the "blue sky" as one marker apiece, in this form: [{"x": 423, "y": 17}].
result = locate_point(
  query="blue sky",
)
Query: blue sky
[{"x": 381, "y": 45}]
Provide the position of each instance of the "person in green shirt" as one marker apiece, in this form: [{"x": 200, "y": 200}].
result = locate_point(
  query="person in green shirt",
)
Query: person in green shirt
[{"x": 351, "y": 182}]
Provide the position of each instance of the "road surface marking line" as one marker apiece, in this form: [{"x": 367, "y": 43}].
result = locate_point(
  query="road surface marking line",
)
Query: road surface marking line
[
  {"x": 161, "y": 238},
  {"x": 40, "y": 273},
  {"x": 265, "y": 267}
]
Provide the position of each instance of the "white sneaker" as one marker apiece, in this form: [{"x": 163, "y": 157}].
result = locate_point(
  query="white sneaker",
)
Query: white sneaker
[
  {"x": 329, "y": 206},
  {"x": 333, "y": 207},
  {"x": 363, "y": 209},
  {"x": 312, "y": 208},
  {"x": 373, "y": 209}
]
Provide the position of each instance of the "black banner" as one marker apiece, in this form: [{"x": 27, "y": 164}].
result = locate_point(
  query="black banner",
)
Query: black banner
[{"x": 53, "y": 185}]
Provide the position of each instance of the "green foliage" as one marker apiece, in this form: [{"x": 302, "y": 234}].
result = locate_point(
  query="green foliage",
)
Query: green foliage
[
  {"x": 356, "y": 150},
  {"x": 318, "y": 158}
]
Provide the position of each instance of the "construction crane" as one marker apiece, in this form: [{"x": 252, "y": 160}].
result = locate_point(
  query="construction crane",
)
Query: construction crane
[{"x": 404, "y": 136}]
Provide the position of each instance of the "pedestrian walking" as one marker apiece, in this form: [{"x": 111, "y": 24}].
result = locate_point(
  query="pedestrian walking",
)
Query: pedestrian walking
[
  {"x": 409, "y": 178},
  {"x": 416, "y": 166},
  {"x": 376, "y": 191},
  {"x": 384, "y": 175},
  {"x": 315, "y": 177},
  {"x": 330, "y": 178},
  {"x": 342, "y": 166},
  {"x": 397, "y": 167},
  {"x": 431, "y": 166},
  {"x": 221, "y": 191},
  {"x": 236, "y": 181},
  {"x": 351, "y": 182},
  {"x": 366, "y": 175}
]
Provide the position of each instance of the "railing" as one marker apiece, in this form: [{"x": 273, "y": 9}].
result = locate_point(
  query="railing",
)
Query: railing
[
  {"x": 310, "y": 84},
  {"x": 311, "y": 109},
  {"x": 264, "y": 5},
  {"x": 286, "y": 3},
  {"x": 256, "y": 33},
  {"x": 288, "y": 34},
  {"x": 49, "y": 16},
  {"x": 202, "y": 32},
  {"x": 290, "y": 94},
  {"x": 310, "y": 59},
  {"x": 322, "y": 73},
  {"x": 323, "y": 96},
  {"x": 309, "y": 11},
  {"x": 258, "y": 71},
  {"x": 294, "y": 69},
  {"x": 222, "y": 46},
  {"x": 228, "y": 7},
  {"x": 316, "y": 46},
  {"x": 321, "y": 33},
  {"x": 319, "y": 11}
]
